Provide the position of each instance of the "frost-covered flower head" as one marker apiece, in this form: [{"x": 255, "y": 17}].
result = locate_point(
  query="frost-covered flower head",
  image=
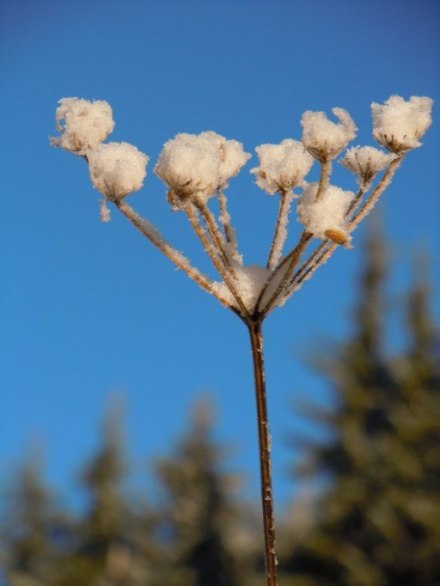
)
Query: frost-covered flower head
[
  {"x": 282, "y": 166},
  {"x": 366, "y": 162},
  {"x": 82, "y": 124},
  {"x": 325, "y": 139},
  {"x": 325, "y": 217},
  {"x": 117, "y": 169},
  {"x": 196, "y": 166},
  {"x": 398, "y": 125},
  {"x": 231, "y": 156}
]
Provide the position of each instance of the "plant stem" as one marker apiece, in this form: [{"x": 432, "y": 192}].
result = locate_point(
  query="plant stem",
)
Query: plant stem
[
  {"x": 280, "y": 229},
  {"x": 256, "y": 338},
  {"x": 377, "y": 192},
  {"x": 155, "y": 237},
  {"x": 223, "y": 271},
  {"x": 214, "y": 233},
  {"x": 291, "y": 260},
  {"x": 229, "y": 232},
  {"x": 326, "y": 169}
]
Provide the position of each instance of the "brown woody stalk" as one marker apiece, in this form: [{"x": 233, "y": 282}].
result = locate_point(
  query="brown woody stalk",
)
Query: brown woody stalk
[{"x": 264, "y": 445}]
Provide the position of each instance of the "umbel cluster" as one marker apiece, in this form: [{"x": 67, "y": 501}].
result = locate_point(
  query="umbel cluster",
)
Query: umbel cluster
[{"x": 198, "y": 168}]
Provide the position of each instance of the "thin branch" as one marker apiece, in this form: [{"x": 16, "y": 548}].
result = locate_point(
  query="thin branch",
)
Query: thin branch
[
  {"x": 377, "y": 192},
  {"x": 214, "y": 232},
  {"x": 181, "y": 262},
  {"x": 356, "y": 202},
  {"x": 225, "y": 220},
  {"x": 288, "y": 256},
  {"x": 291, "y": 260},
  {"x": 323, "y": 253},
  {"x": 294, "y": 255},
  {"x": 223, "y": 271},
  {"x": 324, "y": 178},
  {"x": 280, "y": 233},
  {"x": 320, "y": 251},
  {"x": 325, "y": 249}
]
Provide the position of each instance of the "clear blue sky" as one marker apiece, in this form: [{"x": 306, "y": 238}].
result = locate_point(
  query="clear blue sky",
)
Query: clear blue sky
[{"x": 90, "y": 309}]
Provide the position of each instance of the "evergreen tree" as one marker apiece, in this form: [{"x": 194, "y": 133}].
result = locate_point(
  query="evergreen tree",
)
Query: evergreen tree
[
  {"x": 415, "y": 452},
  {"x": 31, "y": 527},
  {"x": 103, "y": 553},
  {"x": 378, "y": 524},
  {"x": 198, "y": 521}
]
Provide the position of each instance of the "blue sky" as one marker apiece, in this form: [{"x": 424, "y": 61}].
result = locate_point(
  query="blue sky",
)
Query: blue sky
[{"x": 89, "y": 309}]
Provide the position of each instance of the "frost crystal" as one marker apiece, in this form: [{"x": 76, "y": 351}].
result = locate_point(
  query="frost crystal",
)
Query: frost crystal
[
  {"x": 325, "y": 217},
  {"x": 117, "y": 169},
  {"x": 198, "y": 165},
  {"x": 398, "y": 125},
  {"x": 366, "y": 161},
  {"x": 282, "y": 166},
  {"x": 82, "y": 124},
  {"x": 323, "y": 138}
]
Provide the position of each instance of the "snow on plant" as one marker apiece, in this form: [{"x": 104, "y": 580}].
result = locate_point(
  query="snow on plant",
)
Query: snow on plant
[
  {"x": 117, "y": 169},
  {"x": 327, "y": 216},
  {"x": 82, "y": 125},
  {"x": 366, "y": 162},
  {"x": 197, "y": 169},
  {"x": 325, "y": 139},
  {"x": 282, "y": 166},
  {"x": 398, "y": 125}
]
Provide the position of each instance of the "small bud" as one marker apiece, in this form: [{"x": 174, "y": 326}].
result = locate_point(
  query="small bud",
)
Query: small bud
[{"x": 338, "y": 236}]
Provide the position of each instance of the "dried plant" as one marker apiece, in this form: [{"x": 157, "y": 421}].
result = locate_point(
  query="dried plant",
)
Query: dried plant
[{"x": 197, "y": 168}]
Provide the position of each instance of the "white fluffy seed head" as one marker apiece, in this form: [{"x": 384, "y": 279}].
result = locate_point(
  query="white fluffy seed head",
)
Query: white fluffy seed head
[
  {"x": 325, "y": 139},
  {"x": 117, "y": 169},
  {"x": 398, "y": 124},
  {"x": 230, "y": 153},
  {"x": 82, "y": 124},
  {"x": 198, "y": 165},
  {"x": 366, "y": 161},
  {"x": 282, "y": 166},
  {"x": 326, "y": 215}
]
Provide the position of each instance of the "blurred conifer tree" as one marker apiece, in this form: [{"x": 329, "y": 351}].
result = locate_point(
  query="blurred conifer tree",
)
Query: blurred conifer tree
[
  {"x": 379, "y": 522},
  {"x": 199, "y": 523},
  {"x": 31, "y": 524},
  {"x": 103, "y": 555}
]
